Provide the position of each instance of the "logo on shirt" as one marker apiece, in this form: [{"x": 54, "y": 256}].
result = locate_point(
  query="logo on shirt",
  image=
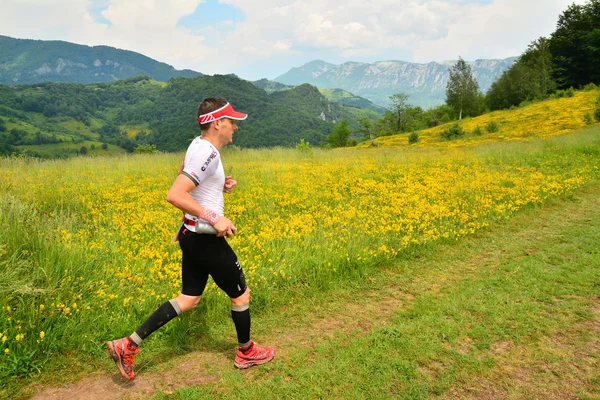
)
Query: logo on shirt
[{"x": 212, "y": 156}]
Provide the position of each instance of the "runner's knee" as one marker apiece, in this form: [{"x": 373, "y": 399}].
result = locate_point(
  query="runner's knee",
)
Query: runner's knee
[
  {"x": 242, "y": 300},
  {"x": 186, "y": 302}
]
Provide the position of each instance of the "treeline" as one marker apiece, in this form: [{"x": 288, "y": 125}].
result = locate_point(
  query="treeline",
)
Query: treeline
[
  {"x": 569, "y": 58},
  {"x": 400, "y": 117}
]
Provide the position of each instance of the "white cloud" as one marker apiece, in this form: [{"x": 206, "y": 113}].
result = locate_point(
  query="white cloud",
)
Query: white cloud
[
  {"x": 299, "y": 30},
  {"x": 145, "y": 26},
  {"x": 49, "y": 20},
  {"x": 501, "y": 29}
]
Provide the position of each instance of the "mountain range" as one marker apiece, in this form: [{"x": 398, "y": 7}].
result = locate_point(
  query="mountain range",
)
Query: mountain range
[
  {"x": 424, "y": 83},
  {"x": 32, "y": 61},
  {"x": 25, "y": 61}
]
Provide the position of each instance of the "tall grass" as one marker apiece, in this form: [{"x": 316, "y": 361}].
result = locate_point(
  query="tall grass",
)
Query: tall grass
[{"x": 85, "y": 250}]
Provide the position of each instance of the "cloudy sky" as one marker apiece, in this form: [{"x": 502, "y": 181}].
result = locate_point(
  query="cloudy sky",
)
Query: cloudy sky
[{"x": 265, "y": 38}]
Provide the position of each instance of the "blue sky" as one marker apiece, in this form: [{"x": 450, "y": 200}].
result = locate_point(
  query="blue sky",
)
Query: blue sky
[
  {"x": 210, "y": 13},
  {"x": 265, "y": 38}
]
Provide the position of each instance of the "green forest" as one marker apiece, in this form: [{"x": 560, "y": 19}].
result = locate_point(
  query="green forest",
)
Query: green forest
[
  {"x": 30, "y": 61},
  {"x": 142, "y": 113}
]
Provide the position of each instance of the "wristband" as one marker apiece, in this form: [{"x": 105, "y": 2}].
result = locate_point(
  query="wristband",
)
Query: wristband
[{"x": 210, "y": 216}]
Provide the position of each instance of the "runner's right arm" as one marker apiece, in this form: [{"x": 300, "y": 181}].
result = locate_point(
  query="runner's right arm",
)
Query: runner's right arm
[{"x": 179, "y": 196}]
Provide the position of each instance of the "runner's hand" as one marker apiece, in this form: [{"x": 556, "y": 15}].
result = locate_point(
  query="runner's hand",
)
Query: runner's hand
[
  {"x": 229, "y": 184},
  {"x": 225, "y": 228}
]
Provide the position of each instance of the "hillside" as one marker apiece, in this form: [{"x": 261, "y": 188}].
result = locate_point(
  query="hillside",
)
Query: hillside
[
  {"x": 348, "y": 99},
  {"x": 340, "y": 96},
  {"x": 30, "y": 61},
  {"x": 551, "y": 117},
  {"x": 58, "y": 119},
  {"x": 270, "y": 86},
  {"x": 425, "y": 83}
]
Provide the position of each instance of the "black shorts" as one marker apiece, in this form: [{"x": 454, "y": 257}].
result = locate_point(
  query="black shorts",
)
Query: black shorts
[{"x": 205, "y": 254}]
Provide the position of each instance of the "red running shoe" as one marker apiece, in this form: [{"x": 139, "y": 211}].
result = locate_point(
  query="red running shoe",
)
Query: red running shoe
[
  {"x": 254, "y": 355},
  {"x": 122, "y": 352}
]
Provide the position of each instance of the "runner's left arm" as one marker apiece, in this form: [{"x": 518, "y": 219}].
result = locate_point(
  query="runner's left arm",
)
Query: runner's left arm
[{"x": 229, "y": 184}]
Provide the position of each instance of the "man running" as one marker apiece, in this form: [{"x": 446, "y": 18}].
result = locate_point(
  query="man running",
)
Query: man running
[{"x": 198, "y": 192}]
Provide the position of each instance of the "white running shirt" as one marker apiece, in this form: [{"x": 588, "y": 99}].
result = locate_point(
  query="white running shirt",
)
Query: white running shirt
[{"x": 202, "y": 164}]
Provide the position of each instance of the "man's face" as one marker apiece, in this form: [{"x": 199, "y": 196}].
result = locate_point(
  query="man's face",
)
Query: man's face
[{"x": 227, "y": 128}]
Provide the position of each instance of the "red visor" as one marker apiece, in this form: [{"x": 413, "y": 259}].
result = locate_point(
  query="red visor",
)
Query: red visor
[{"x": 224, "y": 112}]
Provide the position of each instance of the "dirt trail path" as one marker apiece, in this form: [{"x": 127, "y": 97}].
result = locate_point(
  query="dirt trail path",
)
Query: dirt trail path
[{"x": 309, "y": 324}]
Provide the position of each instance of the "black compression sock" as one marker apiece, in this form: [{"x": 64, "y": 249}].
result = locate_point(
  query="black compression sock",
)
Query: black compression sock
[
  {"x": 164, "y": 314},
  {"x": 241, "y": 318}
]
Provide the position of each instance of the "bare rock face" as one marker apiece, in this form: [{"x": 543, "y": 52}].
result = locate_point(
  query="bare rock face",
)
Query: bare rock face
[{"x": 44, "y": 69}]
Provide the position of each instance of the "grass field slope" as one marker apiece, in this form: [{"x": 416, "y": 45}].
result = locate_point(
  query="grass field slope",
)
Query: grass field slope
[
  {"x": 86, "y": 255},
  {"x": 542, "y": 119}
]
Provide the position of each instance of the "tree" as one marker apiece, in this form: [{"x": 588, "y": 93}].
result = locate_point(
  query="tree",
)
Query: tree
[
  {"x": 402, "y": 116},
  {"x": 462, "y": 90},
  {"x": 538, "y": 59},
  {"x": 529, "y": 78},
  {"x": 83, "y": 150},
  {"x": 398, "y": 109},
  {"x": 339, "y": 134},
  {"x": 366, "y": 128},
  {"x": 575, "y": 45}
]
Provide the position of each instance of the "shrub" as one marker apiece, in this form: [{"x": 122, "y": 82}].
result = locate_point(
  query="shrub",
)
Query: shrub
[
  {"x": 477, "y": 131},
  {"x": 570, "y": 92},
  {"x": 145, "y": 149},
  {"x": 413, "y": 138},
  {"x": 492, "y": 127},
  {"x": 452, "y": 132},
  {"x": 303, "y": 146},
  {"x": 104, "y": 146},
  {"x": 590, "y": 86},
  {"x": 587, "y": 118},
  {"x": 597, "y": 114},
  {"x": 526, "y": 103}
]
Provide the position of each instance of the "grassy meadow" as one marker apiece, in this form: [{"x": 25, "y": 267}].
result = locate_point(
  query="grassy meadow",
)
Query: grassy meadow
[
  {"x": 537, "y": 120},
  {"x": 86, "y": 252}
]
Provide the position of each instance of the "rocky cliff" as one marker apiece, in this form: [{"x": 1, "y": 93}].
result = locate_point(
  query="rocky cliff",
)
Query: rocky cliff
[{"x": 424, "y": 83}]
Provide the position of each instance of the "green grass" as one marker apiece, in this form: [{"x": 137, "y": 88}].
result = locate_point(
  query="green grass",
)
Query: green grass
[
  {"x": 441, "y": 317},
  {"x": 510, "y": 313}
]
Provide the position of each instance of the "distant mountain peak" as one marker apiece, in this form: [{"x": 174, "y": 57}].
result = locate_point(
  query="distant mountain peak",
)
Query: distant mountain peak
[{"x": 425, "y": 83}]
